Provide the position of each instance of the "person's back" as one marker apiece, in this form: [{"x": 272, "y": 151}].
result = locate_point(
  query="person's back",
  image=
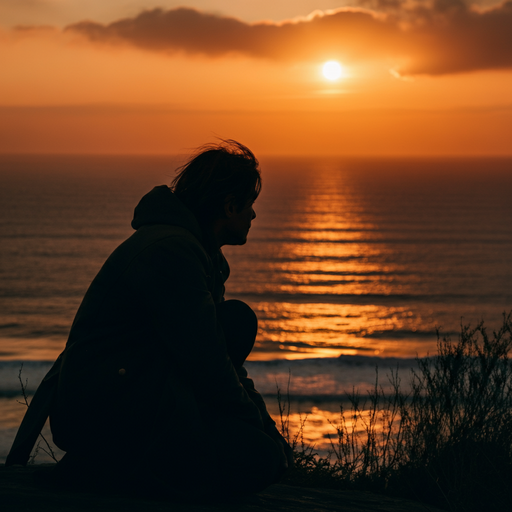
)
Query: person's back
[
  {"x": 153, "y": 367},
  {"x": 115, "y": 351}
]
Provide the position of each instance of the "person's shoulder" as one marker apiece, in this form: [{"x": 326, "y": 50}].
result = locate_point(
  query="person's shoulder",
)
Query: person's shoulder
[
  {"x": 165, "y": 232},
  {"x": 174, "y": 240}
]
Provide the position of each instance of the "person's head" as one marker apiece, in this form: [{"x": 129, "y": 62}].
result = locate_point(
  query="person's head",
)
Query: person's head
[{"x": 219, "y": 184}]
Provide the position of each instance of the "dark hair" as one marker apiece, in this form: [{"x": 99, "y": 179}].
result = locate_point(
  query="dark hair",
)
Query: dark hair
[{"x": 214, "y": 173}]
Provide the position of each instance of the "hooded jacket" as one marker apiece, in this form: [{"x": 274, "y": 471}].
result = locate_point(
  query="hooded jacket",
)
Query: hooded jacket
[{"x": 146, "y": 355}]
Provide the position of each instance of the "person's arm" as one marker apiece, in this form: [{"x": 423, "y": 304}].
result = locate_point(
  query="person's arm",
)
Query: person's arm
[
  {"x": 269, "y": 424},
  {"x": 173, "y": 278},
  {"x": 255, "y": 396}
]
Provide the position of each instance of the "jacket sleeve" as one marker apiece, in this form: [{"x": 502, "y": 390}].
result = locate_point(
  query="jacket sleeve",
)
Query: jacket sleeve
[
  {"x": 173, "y": 280},
  {"x": 255, "y": 396}
]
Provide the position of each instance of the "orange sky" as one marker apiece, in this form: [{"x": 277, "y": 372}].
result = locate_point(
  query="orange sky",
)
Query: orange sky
[{"x": 421, "y": 77}]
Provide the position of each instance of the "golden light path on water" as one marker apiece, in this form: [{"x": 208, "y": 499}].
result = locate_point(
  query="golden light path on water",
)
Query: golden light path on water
[
  {"x": 327, "y": 253},
  {"x": 333, "y": 331},
  {"x": 318, "y": 424},
  {"x": 329, "y": 330},
  {"x": 330, "y": 250}
]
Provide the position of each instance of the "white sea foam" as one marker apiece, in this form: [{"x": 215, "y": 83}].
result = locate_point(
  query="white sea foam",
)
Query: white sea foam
[{"x": 322, "y": 377}]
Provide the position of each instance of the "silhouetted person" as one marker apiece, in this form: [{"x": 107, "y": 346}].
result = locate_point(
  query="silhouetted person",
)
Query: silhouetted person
[{"x": 151, "y": 387}]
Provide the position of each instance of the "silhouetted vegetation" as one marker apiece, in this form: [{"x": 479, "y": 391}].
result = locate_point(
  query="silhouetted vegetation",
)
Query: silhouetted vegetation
[
  {"x": 48, "y": 450},
  {"x": 447, "y": 441}
]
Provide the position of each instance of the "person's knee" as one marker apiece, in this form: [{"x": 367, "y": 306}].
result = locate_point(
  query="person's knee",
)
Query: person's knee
[{"x": 240, "y": 326}]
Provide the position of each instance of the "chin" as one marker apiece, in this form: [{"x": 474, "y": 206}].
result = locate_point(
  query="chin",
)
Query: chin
[{"x": 238, "y": 241}]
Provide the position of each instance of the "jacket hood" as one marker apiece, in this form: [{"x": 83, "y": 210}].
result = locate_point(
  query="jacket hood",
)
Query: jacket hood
[{"x": 161, "y": 206}]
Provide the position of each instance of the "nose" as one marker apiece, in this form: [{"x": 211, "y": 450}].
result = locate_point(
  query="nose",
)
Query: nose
[{"x": 253, "y": 214}]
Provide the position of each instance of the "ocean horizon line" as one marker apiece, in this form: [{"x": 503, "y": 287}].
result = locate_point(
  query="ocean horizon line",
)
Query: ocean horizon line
[{"x": 186, "y": 152}]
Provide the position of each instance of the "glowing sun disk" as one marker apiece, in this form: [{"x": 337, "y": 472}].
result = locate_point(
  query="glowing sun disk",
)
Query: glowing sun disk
[{"x": 332, "y": 70}]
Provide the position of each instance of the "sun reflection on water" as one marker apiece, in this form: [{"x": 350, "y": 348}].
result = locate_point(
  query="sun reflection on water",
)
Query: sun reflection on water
[
  {"x": 327, "y": 275},
  {"x": 297, "y": 330},
  {"x": 304, "y": 330}
]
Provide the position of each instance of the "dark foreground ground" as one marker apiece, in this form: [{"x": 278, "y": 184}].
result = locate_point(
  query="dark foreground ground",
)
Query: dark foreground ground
[{"x": 20, "y": 493}]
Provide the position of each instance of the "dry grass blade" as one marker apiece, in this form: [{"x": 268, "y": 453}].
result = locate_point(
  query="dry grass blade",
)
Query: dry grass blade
[{"x": 48, "y": 450}]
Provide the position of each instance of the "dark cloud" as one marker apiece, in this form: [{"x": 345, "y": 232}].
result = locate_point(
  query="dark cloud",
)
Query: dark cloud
[
  {"x": 191, "y": 31},
  {"x": 439, "y": 37}
]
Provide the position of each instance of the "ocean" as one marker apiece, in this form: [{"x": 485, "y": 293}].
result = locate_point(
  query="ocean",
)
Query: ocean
[{"x": 351, "y": 264}]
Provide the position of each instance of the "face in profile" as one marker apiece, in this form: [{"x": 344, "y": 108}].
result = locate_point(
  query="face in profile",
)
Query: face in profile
[{"x": 238, "y": 223}]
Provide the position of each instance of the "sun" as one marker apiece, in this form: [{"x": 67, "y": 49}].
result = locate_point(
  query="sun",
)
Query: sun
[{"x": 332, "y": 70}]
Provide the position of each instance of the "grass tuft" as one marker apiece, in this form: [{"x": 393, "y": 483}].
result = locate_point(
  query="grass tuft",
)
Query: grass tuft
[{"x": 447, "y": 442}]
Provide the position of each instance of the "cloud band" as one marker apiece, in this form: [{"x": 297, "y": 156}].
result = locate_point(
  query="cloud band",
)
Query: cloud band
[{"x": 448, "y": 36}]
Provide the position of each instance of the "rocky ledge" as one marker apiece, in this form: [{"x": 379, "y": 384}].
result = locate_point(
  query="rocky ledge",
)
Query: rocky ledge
[{"x": 20, "y": 492}]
